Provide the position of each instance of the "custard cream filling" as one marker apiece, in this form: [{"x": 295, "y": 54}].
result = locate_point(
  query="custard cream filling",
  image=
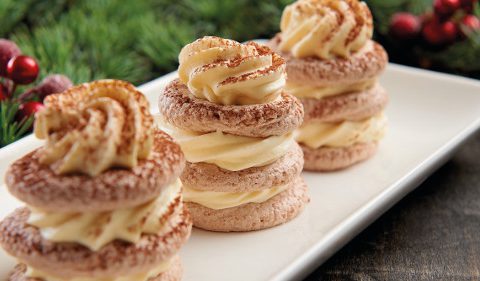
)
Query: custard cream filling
[
  {"x": 222, "y": 200},
  {"x": 316, "y": 134},
  {"x": 305, "y": 91},
  {"x": 230, "y": 152},
  {"x": 143, "y": 276},
  {"x": 94, "y": 230}
]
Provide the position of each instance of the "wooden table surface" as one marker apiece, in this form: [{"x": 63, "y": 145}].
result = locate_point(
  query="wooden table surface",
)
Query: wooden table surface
[{"x": 432, "y": 234}]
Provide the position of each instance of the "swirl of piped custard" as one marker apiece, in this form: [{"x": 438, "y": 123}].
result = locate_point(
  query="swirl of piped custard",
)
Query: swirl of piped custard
[
  {"x": 325, "y": 28},
  {"x": 226, "y": 72},
  {"x": 93, "y": 127}
]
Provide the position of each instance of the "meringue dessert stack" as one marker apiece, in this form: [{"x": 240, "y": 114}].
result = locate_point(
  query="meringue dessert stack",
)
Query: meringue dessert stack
[
  {"x": 103, "y": 195},
  {"x": 333, "y": 67},
  {"x": 235, "y": 123}
]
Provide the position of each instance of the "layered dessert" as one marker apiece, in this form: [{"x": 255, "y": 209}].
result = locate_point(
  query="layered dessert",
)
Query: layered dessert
[
  {"x": 103, "y": 196},
  {"x": 234, "y": 122},
  {"x": 333, "y": 67}
]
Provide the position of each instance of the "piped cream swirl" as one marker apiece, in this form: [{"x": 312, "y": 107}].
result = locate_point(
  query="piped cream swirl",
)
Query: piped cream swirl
[
  {"x": 227, "y": 72},
  {"x": 95, "y": 126},
  {"x": 325, "y": 28}
]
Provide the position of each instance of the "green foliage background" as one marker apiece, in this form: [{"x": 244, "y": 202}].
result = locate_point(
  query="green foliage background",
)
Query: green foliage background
[
  {"x": 140, "y": 40},
  {"x": 130, "y": 40}
]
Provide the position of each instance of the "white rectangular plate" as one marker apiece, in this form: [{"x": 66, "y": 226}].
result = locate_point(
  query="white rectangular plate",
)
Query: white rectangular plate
[{"x": 430, "y": 114}]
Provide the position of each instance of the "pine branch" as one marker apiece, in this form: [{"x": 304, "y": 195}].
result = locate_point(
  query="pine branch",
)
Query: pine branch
[
  {"x": 10, "y": 129},
  {"x": 117, "y": 39},
  {"x": 46, "y": 11},
  {"x": 106, "y": 42},
  {"x": 55, "y": 50},
  {"x": 162, "y": 45},
  {"x": 12, "y": 12},
  {"x": 90, "y": 47}
]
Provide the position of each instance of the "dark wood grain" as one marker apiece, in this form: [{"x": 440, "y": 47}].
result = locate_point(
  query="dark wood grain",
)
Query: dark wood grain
[{"x": 432, "y": 234}]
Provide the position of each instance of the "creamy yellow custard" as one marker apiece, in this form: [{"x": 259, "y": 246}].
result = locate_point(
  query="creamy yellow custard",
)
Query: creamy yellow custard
[
  {"x": 316, "y": 134},
  {"x": 222, "y": 200},
  {"x": 96, "y": 229},
  {"x": 228, "y": 151},
  {"x": 306, "y": 91}
]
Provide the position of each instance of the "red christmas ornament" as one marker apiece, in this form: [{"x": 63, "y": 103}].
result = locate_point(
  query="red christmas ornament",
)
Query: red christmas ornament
[
  {"x": 8, "y": 50},
  {"x": 445, "y": 8},
  {"x": 29, "y": 109},
  {"x": 22, "y": 69},
  {"x": 405, "y": 26},
  {"x": 470, "y": 23}
]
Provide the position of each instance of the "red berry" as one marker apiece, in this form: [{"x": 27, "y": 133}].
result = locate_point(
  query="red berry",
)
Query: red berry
[
  {"x": 450, "y": 31},
  {"x": 29, "y": 109},
  {"x": 437, "y": 33},
  {"x": 405, "y": 26},
  {"x": 445, "y": 8},
  {"x": 52, "y": 84},
  {"x": 432, "y": 33},
  {"x": 55, "y": 83},
  {"x": 470, "y": 23},
  {"x": 8, "y": 50},
  {"x": 22, "y": 69}
]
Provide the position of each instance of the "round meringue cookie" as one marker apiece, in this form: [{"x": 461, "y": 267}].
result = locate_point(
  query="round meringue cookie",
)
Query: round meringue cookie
[
  {"x": 39, "y": 186},
  {"x": 327, "y": 159},
  {"x": 209, "y": 177},
  {"x": 365, "y": 64},
  {"x": 118, "y": 258},
  {"x": 183, "y": 110},
  {"x": 253, "y": 216},
  {"x": 354, "y": 106}
]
